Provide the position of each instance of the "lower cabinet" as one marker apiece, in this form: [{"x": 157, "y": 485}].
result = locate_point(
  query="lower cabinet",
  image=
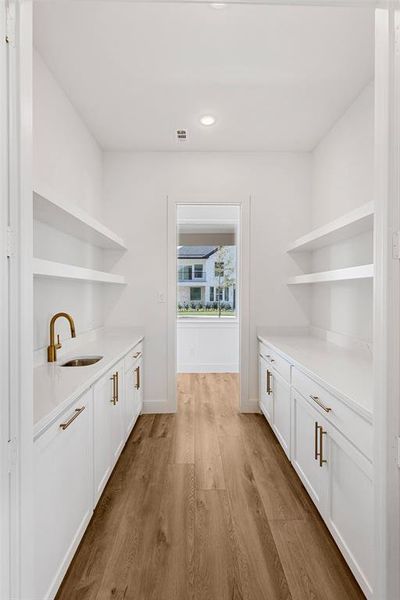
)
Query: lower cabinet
[
  {"x": 63, "y": 498},
  {"x": 327, "y": 444},
  {"x": 339, "y": 480},
  {"x": 108, "y": 426}
]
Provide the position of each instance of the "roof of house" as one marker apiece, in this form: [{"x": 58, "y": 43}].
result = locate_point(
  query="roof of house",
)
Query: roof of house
[{"x": 196, "y": 251}]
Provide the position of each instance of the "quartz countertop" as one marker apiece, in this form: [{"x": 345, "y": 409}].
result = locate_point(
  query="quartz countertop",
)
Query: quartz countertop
[
  {"x": 346, "y": 373},
  {"x": 56, "y": 387}
]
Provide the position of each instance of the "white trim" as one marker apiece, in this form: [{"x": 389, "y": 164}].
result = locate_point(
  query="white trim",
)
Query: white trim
[
  {"x": 209, "y": 368},
  {"x": 21, "y": 293},
  {"x": 243, "y": 279},
  {"x": 387, "y": 305}
]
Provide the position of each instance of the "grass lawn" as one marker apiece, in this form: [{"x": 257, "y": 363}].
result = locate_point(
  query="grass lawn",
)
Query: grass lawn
[{"x": 205, "y": 313}]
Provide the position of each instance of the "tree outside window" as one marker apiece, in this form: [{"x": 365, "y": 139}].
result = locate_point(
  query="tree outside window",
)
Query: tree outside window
[{"x": 224, "y": 273}]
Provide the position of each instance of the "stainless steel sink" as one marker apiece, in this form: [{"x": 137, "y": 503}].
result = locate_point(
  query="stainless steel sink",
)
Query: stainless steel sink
[{"x": 82, "y": 361}]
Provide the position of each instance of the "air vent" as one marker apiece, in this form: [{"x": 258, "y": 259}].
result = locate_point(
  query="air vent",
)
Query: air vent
[{"x": 181, "y": 135}]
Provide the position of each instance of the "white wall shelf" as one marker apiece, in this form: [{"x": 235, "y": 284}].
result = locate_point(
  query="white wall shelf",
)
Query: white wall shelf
[
  {"x": 74, "y": 221},
  {"x": 349, "y": 225},
  {"x": 49, "y": 268},
  {"x": 359, "y": 272}
]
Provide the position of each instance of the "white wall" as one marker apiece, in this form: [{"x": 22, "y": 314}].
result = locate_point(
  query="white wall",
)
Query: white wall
[
  {"x": 342, "y": 179},
  {"x": 67, "y": 165},
  {"x": 135, "y": 190},
  {"x": 207, "y": 346}
]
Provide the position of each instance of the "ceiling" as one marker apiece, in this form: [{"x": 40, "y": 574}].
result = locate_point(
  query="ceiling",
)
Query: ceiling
[{"x": 275, "y": 77}]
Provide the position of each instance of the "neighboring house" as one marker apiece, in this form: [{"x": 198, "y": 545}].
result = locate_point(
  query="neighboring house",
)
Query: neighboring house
[{"x": 198, "y": 270}]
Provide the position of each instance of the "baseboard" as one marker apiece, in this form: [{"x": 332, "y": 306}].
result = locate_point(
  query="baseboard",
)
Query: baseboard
[
  {"x": 208, "y": 368},
  {"x": 250, "y": 406},
  {"x": 151, "y": 407}
]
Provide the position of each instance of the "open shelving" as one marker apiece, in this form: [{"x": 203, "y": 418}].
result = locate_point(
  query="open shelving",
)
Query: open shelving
[
  {"x": 349, "y": 225},
  {"x": 358, "y": 272},
  {"x": 75, "y": 221},
  {"x": 49, "y": 268}
]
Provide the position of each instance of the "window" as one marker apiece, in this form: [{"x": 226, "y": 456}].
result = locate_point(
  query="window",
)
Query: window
[
  {"x": 226, "y": 294},
  {"x": 198, "y": 271},
  {"x": 185, "y": 273},
  {"x": 211, "y": 294},
  {"x": 195, "y": 294},
  {"x": 220, "y": 294},
  {"x": 219, "y": 269}
]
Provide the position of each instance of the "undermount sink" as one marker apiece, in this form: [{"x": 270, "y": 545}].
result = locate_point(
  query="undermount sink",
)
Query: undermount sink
[{"x": 82, "y": 361}]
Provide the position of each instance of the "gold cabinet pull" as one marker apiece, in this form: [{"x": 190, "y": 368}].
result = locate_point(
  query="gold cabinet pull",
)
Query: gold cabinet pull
[
  {"x": 117, "y": 385},
  {"x": 137, "y": 384},
  {"x": 322, "y": 460},
  {"x": 114, "y": 394},
  {"x": 316, "y": 440},
  {"x": 321, "y": 404},
  {"x": 72, "y": 419},
  {"x": 137, "y": 354},
  {"x": 269, "y": 375}
]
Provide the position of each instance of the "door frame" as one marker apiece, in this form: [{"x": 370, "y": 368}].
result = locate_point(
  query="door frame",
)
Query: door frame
[
  {"x": 16, "y": 341},
  {"x": 244, "y": 204}
]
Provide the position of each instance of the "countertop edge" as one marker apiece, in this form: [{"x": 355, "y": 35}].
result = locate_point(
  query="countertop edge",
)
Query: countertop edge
[
  {"x": 355, "y": 406},
  {"x": 41, "y": 426}
]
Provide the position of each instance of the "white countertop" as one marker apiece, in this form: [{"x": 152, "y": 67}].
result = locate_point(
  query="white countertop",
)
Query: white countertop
[
  {"x": 56, "y": 387},
  {"x": 345, "y": 373}
]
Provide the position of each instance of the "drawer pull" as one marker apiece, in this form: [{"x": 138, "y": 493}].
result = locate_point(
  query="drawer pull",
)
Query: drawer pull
[
  {"x": 137, "y": 354},
  {"x": 74, "y": 416},
  {"x": 114, "y": 398},
  {"x": 321, "y": 404}
]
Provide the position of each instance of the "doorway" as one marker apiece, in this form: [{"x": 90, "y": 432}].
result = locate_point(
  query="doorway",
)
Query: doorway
[{"x": 208, "y": 291}]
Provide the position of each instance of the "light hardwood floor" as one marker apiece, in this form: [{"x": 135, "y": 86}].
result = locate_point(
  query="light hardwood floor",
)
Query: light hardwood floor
[{"x": 204, "y": 505}]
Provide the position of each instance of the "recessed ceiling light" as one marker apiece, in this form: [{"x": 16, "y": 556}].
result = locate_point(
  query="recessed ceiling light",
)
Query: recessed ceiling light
[
  {"x": 218, "y": 5},
  {"x": 207, "y": 120}
]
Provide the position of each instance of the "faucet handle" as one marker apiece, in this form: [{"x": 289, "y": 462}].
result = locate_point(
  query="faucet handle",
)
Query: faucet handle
[{"x": 58, "y": 345}]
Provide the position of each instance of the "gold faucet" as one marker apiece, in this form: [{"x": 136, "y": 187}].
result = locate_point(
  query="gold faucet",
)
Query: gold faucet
[{"x": 52, "y": 349}]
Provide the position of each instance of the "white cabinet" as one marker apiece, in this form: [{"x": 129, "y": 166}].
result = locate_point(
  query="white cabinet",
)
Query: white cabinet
[
  {"x": 349, "y": 511},
  {"x": 330, "y": 447},
  {"x": 307, "y": 444},
  {"x": 265, "y": 392},
  {"x": 133, "y": 397},
  {"x": 281, "y": 409},
  {"x": 108, "y": 428},
  {"x": 62, "y": 493}
]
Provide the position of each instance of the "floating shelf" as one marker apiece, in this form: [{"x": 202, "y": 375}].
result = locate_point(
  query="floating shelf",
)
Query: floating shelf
[
  {"x": 74, "y": 221},
  {"x": 49, "y": 268},
  {"x": 349, "y": 225},
  {"x": 359, "y": 272}
]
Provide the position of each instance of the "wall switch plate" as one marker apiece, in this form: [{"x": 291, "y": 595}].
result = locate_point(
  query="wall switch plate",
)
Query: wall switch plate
[{"x": 162, "y": 297}]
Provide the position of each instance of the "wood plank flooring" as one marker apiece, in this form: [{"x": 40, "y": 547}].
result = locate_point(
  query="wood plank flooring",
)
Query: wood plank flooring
[{"x": 204, "y": 505}]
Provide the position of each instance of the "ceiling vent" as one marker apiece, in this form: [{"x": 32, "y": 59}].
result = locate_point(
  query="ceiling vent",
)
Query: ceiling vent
[{"x": 181, "y": 135}]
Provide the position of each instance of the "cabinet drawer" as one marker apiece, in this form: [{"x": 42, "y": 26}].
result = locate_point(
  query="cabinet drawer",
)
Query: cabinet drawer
[
  {"x": 133, "y": 356},
  {"x": 348, "y": 422},
  {"x": 275, "y": 361}
]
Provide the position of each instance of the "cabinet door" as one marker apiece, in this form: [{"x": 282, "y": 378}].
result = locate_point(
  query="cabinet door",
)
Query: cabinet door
[
  {"x": 281, "y": 412},
  {"x": 129, "y": 401},
  {"x": 265, "y": 389},
  {"x": 307, "y": 444},
  {"x": 350, "y": 506},
  {"x": 117, "y": 414},
  {"x": 107, "y": 428},
  {"x": 63, "y": 500}
]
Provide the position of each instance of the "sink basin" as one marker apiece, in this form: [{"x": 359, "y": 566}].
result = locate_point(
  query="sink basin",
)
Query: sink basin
[{"x": 82, "y": 361}]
